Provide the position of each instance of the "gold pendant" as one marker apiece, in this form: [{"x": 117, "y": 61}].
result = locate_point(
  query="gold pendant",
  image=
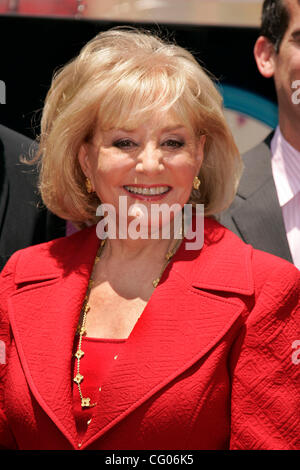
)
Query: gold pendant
[
  {"x": 79, "y": 354},
  {"x": 86, "y": 403},
  {"x": 78, "y": 378}
]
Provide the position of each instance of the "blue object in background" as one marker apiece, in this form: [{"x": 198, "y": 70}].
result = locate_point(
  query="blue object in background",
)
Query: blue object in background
[{"x": 250, "y": 104}]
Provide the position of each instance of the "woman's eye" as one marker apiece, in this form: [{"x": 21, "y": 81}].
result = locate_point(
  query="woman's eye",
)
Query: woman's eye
[
  {"x": 296, "y": 39},
  {"x": 124, "y": 144},
  {"x": 173, "y": 143}
]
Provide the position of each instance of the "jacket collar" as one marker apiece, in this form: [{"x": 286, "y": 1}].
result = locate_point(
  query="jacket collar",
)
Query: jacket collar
[
  {"x": 52, "y": 286},
  {"x": 63, "y": 259}
]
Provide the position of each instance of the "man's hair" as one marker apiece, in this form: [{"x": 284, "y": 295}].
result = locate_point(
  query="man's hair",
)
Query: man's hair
[{"x": 274, "y": 21}]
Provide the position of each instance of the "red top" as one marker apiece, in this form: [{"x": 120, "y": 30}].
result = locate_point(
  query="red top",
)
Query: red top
[{"x": 99, "y": 357}]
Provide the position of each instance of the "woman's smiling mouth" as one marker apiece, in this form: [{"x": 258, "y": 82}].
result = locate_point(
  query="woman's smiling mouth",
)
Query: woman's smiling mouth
[{"x": 147, "y": 192}]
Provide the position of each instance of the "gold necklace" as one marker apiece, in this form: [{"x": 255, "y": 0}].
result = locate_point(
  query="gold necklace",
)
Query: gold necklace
[
  {"x": 81, "y": 329},
  {"x": 169, "y": 255}
]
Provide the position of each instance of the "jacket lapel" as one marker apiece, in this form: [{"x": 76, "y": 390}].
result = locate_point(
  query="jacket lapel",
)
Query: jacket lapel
[
  {"x": 182, "y": 321},
  {"x": 257, "y": 214},
  {"x": 44, "y": 312},
  {"x": 185, "y": 316}
]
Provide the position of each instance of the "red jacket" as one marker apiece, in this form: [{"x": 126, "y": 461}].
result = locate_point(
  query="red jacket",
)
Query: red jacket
[{"x": 207, "y": 366}]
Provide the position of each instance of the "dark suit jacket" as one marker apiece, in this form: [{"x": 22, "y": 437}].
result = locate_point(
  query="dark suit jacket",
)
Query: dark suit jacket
[
  {"x": 208, "y": 365},
  {"x": 22, "y": 223},
  {"x": 255, "y": 214}
]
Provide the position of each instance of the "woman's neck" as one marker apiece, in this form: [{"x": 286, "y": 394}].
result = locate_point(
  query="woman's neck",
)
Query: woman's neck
[
  {"x": 128, "y": 249},
  {"x": 155, "y": 246}
]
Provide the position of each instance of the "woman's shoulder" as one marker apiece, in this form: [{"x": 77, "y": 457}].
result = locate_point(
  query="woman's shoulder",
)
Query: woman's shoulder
[
  {"x": 264, "y": 268},
  {"x": 275, "y": 275},
  {"x": 44, "y": 257}
]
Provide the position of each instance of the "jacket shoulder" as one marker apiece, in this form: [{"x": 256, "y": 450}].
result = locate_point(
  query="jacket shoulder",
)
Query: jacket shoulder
[
  {"x": 270, "y": 270},
  {"x": 45, "y": 259},
  {"x": 239, "y": 263},
  {"x": 14, "y": 145},
  {"x": 9, "y": 136}
]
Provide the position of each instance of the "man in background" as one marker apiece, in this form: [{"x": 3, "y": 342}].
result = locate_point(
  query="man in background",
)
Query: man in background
[
  {"x": 266, "y": 210},
  {"x": 23, "y": 220}
]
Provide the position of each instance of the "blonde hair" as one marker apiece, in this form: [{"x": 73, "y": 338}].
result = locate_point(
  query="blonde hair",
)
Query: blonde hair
[{"x": 123, "y": 76}]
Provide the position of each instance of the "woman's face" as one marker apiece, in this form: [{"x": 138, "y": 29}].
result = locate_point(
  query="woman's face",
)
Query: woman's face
[{"x": 154, "y": 163}]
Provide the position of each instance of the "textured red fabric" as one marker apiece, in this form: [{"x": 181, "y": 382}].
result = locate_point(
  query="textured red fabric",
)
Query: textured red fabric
[
  {"x": 208, "y": 365},
  {"x": 99, "y": 357}
]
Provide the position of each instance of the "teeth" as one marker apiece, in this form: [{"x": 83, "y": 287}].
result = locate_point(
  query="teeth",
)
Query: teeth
[{"x": 147, "y": 191}]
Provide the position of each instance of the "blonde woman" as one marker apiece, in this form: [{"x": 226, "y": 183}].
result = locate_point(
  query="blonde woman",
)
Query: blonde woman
[{"x": 139, "y": 342}]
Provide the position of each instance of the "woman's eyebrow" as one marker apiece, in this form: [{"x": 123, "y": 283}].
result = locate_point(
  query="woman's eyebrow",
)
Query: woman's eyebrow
[{"x": 164, "y": 129}]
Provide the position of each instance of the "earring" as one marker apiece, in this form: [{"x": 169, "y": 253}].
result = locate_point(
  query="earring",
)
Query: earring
[
  {"x": 196, "y": 183},
  {"x": 88, "y": 186}
]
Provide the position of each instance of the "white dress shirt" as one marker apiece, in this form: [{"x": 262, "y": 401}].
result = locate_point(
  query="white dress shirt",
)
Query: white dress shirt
[{"x": 286, "y": 174}]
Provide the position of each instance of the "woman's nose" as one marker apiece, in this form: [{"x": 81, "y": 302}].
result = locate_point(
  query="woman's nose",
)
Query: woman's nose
[{"x": 150, "y": 160}]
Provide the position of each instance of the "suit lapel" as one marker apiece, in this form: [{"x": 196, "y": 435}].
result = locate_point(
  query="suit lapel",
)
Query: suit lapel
[
  {"x": 259, "y": 220},
  {"x": 258, "y": 215}
]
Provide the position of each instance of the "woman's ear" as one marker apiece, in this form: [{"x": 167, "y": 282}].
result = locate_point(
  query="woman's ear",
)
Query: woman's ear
[
  {"x": 264, "y": 54},
  {"x": 83, "y": 158},
  {"x": 200, "y": 151}
]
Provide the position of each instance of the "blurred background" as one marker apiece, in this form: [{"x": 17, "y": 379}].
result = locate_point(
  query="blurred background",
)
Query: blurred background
[
  {"x": 225, "y": 12},
  {"x": 38, "y": 36}
]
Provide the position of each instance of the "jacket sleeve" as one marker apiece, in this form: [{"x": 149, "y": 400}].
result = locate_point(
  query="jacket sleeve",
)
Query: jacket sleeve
[
  {"x": 7, "y": 286},
  {"x": 265, "y": 400}
]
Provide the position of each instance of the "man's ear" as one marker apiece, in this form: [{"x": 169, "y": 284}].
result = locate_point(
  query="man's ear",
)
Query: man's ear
[{"x": 265, "y": 55}]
